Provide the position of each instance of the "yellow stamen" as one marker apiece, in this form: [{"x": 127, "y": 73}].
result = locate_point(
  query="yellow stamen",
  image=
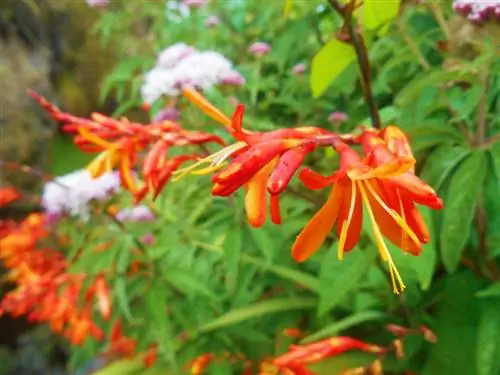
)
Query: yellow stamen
[
  {"x": 347, "y": 223},
  {"x": 215, "y": 161},
  {"x": 399, "y": 220},
  {"x": 397, "y": 282}
]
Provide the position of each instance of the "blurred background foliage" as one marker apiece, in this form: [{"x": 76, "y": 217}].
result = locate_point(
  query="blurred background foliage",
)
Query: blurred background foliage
[{"x": 218, "y": 285}]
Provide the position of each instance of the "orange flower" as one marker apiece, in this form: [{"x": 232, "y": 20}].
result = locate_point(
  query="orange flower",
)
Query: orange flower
[
  {"x": 300, "y": 355},
  {"x": 264, "y": 163},
  {"x": 200, "y": 363},
  {"x": 382, "y": 183},
  {"x": 8, "y": 195}
]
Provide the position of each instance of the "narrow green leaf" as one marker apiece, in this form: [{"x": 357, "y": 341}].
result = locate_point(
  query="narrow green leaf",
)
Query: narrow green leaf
[
  {"x": 459, "y": 206},
  {"x": 120, "y": 287},
  {"x": 232, "y": 251},
  {"x": 425, "y": 264},
  {"x": 264, "y": 242},
  {"x": 308, "y": 281},
  {"x": 376, "y": 13},
  {"x": 350, "y": 321},
  {"x": 258, "y": 310},
  {"x": 488, "y": 338},
  {"x": 441, "y": 163},
  {"x": 491, "y": 291},
  {"x": 329, "y": 62},
  {"x": 339, "y": 278},
  {"x": 122, "y": 367},
  {"x": 187, "y": 283}
]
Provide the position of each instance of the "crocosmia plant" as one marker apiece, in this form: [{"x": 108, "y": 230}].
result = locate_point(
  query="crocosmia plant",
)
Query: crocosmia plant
[{"x": 315, "y": 192}]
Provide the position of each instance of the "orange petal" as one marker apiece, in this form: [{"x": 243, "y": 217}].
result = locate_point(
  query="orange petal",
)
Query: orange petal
[
  {"x": 316, "y": 230},
  {"x": 95, "y": 139},
  {"x": 237, "y": 122},
  {"x": 275, "y": 209},
  {"x": 417, "y": 190},
  {"x": 199, "y": 100},
  {"x": 350, "y": 219},
  {"x": 126, "y": 176},
  {"x": 313, "y": 180},
  {"x": 256, "y": 197}
]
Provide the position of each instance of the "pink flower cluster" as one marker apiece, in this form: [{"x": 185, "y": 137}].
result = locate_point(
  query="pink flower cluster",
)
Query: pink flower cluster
[{"x": 478, "y": 11}]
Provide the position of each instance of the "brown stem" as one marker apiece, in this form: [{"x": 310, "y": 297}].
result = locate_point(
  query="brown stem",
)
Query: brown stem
[
  {"x": 357, "y": 40},
  {"x": 482, "y": 112}
]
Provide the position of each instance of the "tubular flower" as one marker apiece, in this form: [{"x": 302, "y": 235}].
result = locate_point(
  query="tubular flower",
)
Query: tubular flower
[
  {"x": 8, "y": 195},
  {"x": 120, "y": 143},
  {"x": 384, "y": 183},
  {"x": 263, "y": 163},
  {"x": 300, "y": 355},
  {"x": 200, "y": 363}
]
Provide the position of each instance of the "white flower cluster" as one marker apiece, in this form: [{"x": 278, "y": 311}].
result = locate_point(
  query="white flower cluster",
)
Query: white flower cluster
[
  {"x": 478, "y": 11},
  {"x": 72, "y": 193},
  {"x": 181, "y": 66}
]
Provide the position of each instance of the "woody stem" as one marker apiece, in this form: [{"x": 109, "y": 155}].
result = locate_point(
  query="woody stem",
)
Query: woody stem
[{"x": 357, "y": 40}]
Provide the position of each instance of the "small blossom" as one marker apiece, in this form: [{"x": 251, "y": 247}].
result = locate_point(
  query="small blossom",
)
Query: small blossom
[
  {"x": 138, "y": 213},
  {"x": 172, "y": 55},
  {"x": 234, "y": 79},
  {"x": 167, "y": 114},
  {"x": 337, "y": 117},
  {"x": 73, "y": 192},
  {"x": 299, "y": 69},
  {"x": 98, "y": 3},
  {"x": 259, "y": 48},
  {"x": 212, "y": 21},
  {"x": 148, "y": 239},
  {"x": 194, "y": 3},
  {"x": 478, "y": 12}
]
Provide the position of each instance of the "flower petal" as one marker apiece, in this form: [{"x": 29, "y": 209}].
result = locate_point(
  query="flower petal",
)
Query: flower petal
[
  {"x": 313, "y": 180},
  {"x": 256, "y": 197},
  {"x": 316, "y": 230}
]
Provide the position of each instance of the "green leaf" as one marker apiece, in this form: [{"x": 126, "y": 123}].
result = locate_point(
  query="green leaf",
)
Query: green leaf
[
  {"x": 264, "y": 242},
  {"x": 433, "y": 77},
  {"x": 258, "y": 310},
  {"x": 122, "y": 367},
  {"x": 232, "y": 251},
  {"x": 376, "y": 13},
  {"x": 459, "y": 206},
  {"x": 187, "y": 283},
  {"x": 425, "y": 264},
  {"x": 120, "y": 288},
  {"x": 295, "y": 276},
  {"x": 488, "y": 338},
  {"x": 339, "y": 278},
  {"x": 494, "y": 153},
  {"x": 456, "y": 321},
  {"x": 491, "y": 291},
  {"x": 329, "y": 62},
  {"x": 351, "y": 321},
  {"x": 441, "y": 163}
]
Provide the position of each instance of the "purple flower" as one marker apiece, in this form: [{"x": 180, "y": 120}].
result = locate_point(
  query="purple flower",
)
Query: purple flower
[
  {"x": 478, "y": 12},
  {"x": 194, "y": 3},
  {"x": 337, "y": 117},
  {"x": 98, "y": 3},
  {"x": 259, "y": 48},
  {"x": 167, "y": 114},
  {"x": 212, "y": 21},
  {"x": 234, "y": 79},
  {"x": 138, "y": 213},
  {"x": 148, "y": 239},
  {"x": 299, "y": 69}
]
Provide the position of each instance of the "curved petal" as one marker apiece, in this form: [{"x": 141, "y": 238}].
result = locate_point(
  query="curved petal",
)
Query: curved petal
[
  {"x": 313, "y": 180},
  {"x": 275, "y": 209},
  {"x": 417, "y": 190},
  {"x": 350, "y": 219},
  {"x": 202, "y": 103},
  {"x": 256, "y": 197},
  {"x": 316, "y": 230}
]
